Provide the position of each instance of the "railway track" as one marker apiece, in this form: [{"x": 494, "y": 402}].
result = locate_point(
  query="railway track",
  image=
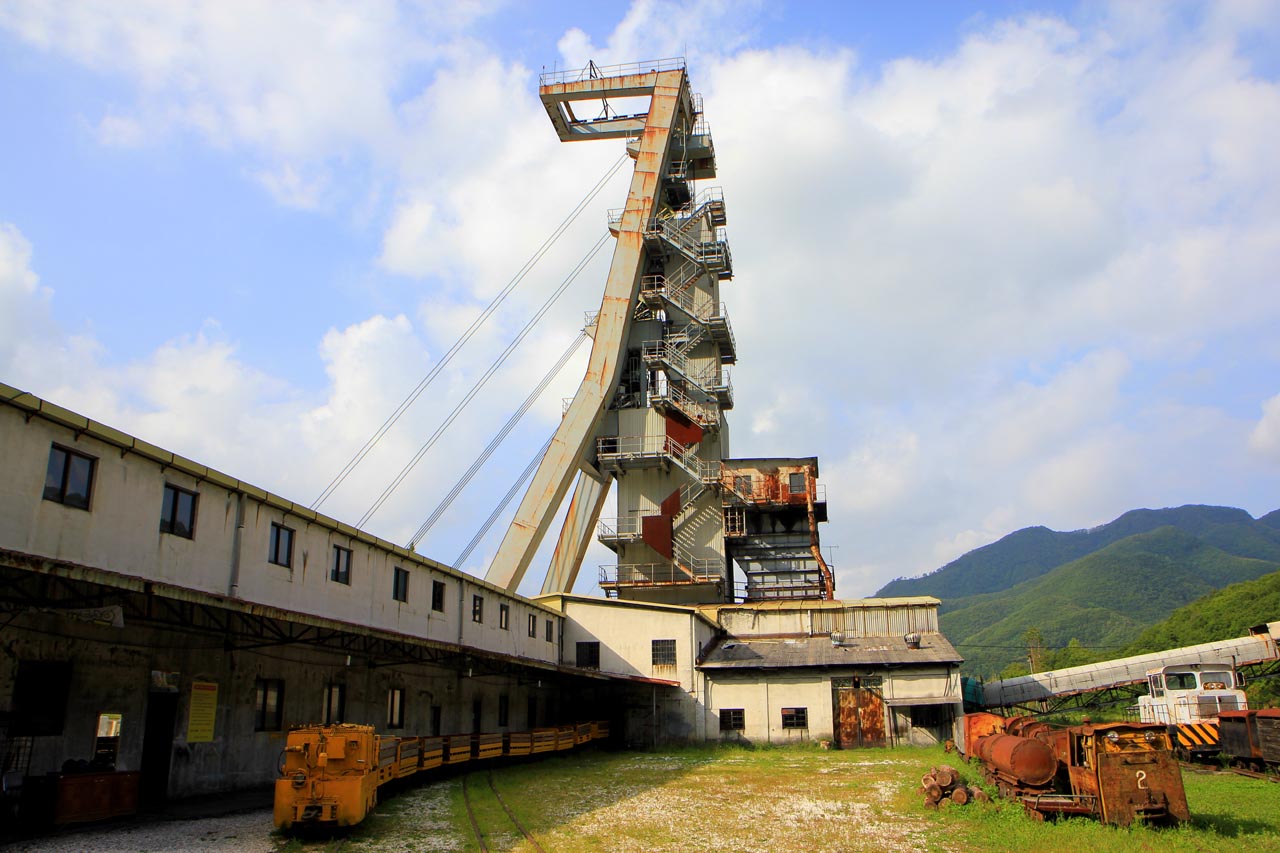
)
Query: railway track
[
  {"x": 1239, "y": 771},
  {"x": 475, "y": 824}
]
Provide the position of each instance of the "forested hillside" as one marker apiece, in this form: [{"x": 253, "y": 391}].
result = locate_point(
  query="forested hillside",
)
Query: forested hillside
[
  {"x": 1104, "y": 601},
  {"x": 1031, "y": 552}
]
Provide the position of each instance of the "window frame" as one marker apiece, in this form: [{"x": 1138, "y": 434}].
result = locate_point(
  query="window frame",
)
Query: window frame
[
  {"x": 533, "y": 625},
  {"x": 264, "y": 720},
  {"x": 732, "y": 719},
  {"x": 59, "y": 495},
  {"x": 795, "y": 718},
  {"x": 664, "y": 645},
  {"x": 395, "y": 708},
  {"x": 791, "y": 483},
  {"x": 273, "y": 547},
  {"x": 504, "y": 617},
  {"x": 400, "y": 584},
  {"x": 168, "y": 522},
  {"x": 550, "y": 631},
  {"x": 437, "y": 596},
  {"x": 338, "y": 573},
  {"x": 477, "y": 608}
]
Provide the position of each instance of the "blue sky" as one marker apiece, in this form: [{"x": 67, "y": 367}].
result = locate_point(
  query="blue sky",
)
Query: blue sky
[{"x": 997, "y": 264}]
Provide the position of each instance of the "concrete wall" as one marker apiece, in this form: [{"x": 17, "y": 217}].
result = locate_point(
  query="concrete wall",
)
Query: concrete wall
[
  {"x": 626, "y": 631},
  {"x": 111, "y": 672},
  {"x": 121, "y": 532},
  {"x": 762, "y": 699}
]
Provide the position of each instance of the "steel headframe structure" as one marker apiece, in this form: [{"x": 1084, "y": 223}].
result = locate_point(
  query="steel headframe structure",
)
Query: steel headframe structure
[{"x": 572, "y": 450}]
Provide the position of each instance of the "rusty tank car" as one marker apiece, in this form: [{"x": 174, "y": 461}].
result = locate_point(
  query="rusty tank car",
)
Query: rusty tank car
[{"x": 1120, "y": 773}]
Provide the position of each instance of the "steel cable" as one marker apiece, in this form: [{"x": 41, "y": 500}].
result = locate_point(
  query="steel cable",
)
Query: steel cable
[
  {"x": 482, "y": 381},
  {"x": 502, "y": 504},
  {"x": 466, "y": 336},
  {"x": 498, "y": 438}
]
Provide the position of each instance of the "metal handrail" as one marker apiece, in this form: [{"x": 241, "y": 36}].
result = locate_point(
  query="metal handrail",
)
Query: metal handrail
[
  {"x": 627, "y": 526},
  {"x": 659, "y": 573},
  {"x": 593, "y": 71}
]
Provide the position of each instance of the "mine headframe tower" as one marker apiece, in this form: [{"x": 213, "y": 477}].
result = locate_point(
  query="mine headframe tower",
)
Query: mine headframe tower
[{"x": 649, "y": 410}]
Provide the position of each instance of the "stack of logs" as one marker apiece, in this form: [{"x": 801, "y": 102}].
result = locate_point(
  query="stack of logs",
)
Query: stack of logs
[{"x": 942, "y": 784}]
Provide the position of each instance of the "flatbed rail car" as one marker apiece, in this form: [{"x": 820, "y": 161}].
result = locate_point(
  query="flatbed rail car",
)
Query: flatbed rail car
[
  {"x": 330, "y": 775},
  {"x": 1121, "y": 773}
]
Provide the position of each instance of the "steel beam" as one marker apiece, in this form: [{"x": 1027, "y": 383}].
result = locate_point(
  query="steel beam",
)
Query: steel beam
[
  {"x": 575, "y": 536},
  {"x": 574, "y": 439}
]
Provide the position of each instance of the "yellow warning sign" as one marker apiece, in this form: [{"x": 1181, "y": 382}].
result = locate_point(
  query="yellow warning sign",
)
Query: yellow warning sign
[{"x": 203, "y": 712}]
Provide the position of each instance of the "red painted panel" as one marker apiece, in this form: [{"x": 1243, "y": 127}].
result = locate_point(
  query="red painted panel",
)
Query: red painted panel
[
  {"x": 655, "y": 530},
  {"x": 682, "y": 429}
]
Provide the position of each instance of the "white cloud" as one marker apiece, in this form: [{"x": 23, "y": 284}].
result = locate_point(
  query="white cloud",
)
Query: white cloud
[
  {"x": 1265, "y": 438},
  {"x": 962, "y": 281}
]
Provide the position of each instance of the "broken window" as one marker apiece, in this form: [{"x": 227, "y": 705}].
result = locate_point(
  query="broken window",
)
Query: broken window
[{"x": 664, "y": 652}]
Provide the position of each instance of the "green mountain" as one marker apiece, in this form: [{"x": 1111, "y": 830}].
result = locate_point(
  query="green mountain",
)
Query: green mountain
[
  {"x": 1106, "y": 598},
  {"x": 1227, "y": 612},
  {"x": 1034, "y": 551}
]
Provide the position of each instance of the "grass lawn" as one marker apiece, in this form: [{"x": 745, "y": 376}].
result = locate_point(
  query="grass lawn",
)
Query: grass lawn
[{"x": 774, "y": 800}]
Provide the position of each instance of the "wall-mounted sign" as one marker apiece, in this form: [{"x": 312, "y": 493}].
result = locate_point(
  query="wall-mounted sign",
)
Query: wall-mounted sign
[{"x": 203, "y": 711}]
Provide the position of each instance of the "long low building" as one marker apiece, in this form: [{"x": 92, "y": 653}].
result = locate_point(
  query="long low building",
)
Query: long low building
[{"x": 165, "y": 624}]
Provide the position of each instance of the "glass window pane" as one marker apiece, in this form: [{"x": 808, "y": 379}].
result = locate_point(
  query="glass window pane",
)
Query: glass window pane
[
  {"x": 184, "y": 518},
  {"x": 166, "y": 509},
  {"x": 79, "y": 479},
  {"x": 53, "y": 476}
]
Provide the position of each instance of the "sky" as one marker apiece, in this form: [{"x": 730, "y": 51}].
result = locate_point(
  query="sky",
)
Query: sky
[{"x": 996, "y": 264}]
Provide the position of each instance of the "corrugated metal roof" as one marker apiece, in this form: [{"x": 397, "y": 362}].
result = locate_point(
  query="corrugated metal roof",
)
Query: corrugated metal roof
[{"x": 733, "y": 653}]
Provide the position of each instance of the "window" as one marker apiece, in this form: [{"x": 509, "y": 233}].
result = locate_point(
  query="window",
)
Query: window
[
  {"x": 742, "y": 484},
  {"x": 504, "y": 616},
  {"x": 281, "y": 545},
  {"x": 69, "y": 477},
  {"x": 732, "y": 719},
  {"x": 437, "y": 714},
  {"x": 795, "y": 483},
  {"x": 589, "y": 655},
  {"x": 40, "y": 693},
  {"x": 664, "y": 652},
  {"x": 335, "y": 703},
  {"x": 341, "y": 571},
  {"x": 504, "y": 710},
  {"x": 533, "y": 625},
  {"x": 400, "y": 584},
  {"x": 1181, "y": 681},
  {"x": 550, "y": 629},
  {"x": 930, "y": 716},
  {"x": 178, "y": 512},
  {"x": 268, "y": 705},
  {"x": 477, "y": 608},
  {"x": 395, "y": 708},
  {"x": 795, "y": 718},
  {"x": 437, "y": 596}
]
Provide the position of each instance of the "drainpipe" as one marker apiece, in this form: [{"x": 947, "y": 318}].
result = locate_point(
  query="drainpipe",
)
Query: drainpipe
[
  {"x": 462, "y": 590},
  {"x": 233, "y": 588}
]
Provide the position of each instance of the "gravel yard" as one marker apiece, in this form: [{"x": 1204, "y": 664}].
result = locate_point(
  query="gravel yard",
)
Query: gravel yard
[{"x": 247, "y": 832}]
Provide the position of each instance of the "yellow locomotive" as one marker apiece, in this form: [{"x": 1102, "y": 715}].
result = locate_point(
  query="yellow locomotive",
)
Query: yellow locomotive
[{"x": 330, "y": 775}]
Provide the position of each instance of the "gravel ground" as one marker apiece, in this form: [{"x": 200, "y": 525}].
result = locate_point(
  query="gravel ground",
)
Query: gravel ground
[{"x": 247, "y": 832}]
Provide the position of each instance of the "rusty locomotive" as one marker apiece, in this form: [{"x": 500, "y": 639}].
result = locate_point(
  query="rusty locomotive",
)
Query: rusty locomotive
[
  {"x": 1120, "y": 773},
  {"x": 331, "y": 776}
]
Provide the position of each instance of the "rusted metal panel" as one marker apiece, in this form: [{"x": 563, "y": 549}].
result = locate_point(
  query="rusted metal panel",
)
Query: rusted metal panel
[
  {"x": 860, "y": 717},
  {"x": 1134, "y": 785}
]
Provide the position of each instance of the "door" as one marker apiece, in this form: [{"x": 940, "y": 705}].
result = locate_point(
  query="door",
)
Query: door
[
  {"x": 859, "y": 715},
  {"x": 157, "y": 747}
]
